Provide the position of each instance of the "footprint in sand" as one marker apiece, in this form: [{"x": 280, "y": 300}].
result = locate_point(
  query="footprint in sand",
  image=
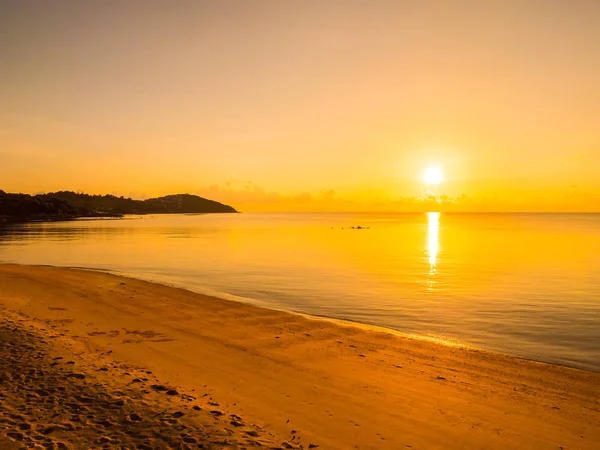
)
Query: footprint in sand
[
  {"x": 98, "y": 412},
  {"x": 96, "y": 333},
  {"x": 159, "y": 387}
]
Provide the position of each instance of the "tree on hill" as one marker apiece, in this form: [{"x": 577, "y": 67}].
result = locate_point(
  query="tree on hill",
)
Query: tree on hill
[
  {"x": 67, "y": 204},
  {"x": 38, "y": 207}
]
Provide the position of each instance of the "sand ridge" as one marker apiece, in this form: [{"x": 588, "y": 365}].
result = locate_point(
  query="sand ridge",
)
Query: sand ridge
[{"x": 308, "y": 382}]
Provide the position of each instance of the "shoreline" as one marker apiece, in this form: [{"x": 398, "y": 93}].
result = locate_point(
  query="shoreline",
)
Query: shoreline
[
  {"x": 260, "y": 304},
  {"x": 15, "y": 220},
  {"x": 335, "y": 320},
  {"x": 336, "y": 385},
  {"x": 441, "y": 340}
]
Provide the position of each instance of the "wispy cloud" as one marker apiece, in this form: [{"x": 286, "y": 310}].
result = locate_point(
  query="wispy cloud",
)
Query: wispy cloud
[{"x": 248, "y": 196}]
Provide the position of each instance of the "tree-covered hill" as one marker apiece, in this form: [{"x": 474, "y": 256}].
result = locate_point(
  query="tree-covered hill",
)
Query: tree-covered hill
[
  {"x": 36, "y": 207},
  {"x": 66, "y": 204}
]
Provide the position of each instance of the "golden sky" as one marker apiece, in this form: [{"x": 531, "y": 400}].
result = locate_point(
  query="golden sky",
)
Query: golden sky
[{"x": 305, "y": 105}]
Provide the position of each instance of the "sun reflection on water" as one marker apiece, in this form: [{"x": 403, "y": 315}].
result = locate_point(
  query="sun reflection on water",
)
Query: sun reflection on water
[{"x": 433, "y": 242}]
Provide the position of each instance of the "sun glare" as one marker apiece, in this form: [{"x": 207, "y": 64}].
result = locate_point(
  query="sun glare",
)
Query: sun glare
[{"x": 433, "y": 175}]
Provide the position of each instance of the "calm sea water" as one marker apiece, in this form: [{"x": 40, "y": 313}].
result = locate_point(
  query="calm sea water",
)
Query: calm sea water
[{"x": 522, "y": 284}]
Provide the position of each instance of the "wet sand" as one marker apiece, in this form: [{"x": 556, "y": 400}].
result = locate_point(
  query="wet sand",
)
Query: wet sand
[{"x": 91, "y": 360}]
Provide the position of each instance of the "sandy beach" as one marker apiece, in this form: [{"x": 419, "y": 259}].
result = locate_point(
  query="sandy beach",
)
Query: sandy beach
[{"x": 92, "y": 360}]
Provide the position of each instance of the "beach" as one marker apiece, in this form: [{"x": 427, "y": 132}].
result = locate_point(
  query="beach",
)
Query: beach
[{"x": 93, "y": 360}]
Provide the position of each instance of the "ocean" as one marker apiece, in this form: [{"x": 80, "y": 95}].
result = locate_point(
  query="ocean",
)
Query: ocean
[{"x": 522, "y": 284}]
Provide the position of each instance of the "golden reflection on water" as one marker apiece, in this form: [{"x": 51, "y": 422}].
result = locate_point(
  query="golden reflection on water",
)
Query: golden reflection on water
[{"x": 433, "y": 239}]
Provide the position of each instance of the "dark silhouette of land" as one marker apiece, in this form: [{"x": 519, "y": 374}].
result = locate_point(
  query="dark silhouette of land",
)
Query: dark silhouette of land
[{"x": 66, "y": 205}]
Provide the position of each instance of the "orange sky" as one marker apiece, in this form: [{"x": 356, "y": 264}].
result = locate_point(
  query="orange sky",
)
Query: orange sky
[{"x": 305, "y": 105}]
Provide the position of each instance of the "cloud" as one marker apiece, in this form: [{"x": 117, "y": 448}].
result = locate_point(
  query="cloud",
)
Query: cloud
[{"x": 247, "y": 196}]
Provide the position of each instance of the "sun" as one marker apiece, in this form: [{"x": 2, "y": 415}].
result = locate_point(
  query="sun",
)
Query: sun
[{"x": 433, "y": 175}]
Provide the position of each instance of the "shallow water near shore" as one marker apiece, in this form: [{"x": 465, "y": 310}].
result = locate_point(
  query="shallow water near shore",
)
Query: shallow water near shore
[{"x": 522, "y": 284}]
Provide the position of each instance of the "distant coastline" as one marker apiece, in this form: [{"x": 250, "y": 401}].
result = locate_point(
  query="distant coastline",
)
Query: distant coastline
[{"x": 67, "y": 205}]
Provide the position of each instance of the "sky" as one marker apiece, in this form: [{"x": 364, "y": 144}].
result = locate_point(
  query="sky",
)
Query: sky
[{"x": 305, "y": 105}]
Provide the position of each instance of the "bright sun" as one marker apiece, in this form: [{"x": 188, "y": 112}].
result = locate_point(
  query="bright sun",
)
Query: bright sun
[{"x": 433, "y": 175}]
